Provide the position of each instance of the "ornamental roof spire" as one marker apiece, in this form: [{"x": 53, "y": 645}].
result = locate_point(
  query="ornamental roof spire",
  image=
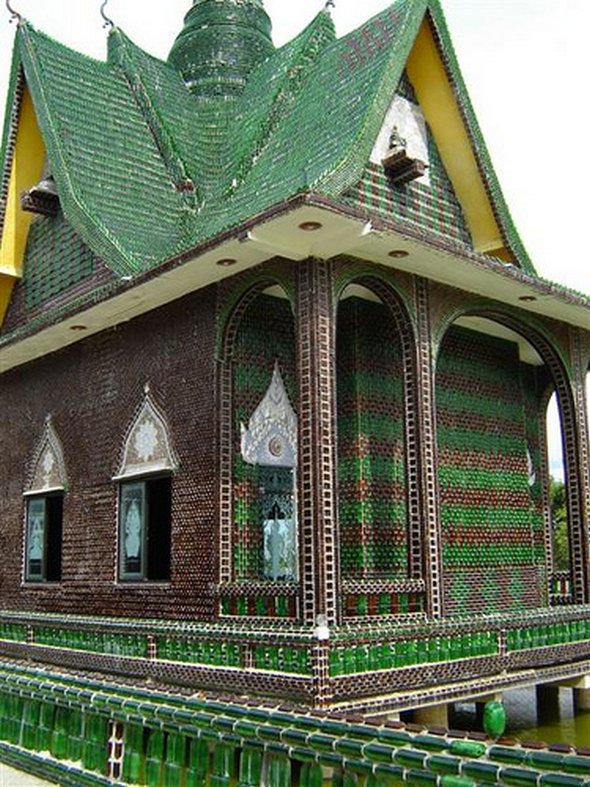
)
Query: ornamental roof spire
[
  {"x": 14, "y": 15},
  {"x": 221, "y": 43},
  {"x": 107, "y": 21}
]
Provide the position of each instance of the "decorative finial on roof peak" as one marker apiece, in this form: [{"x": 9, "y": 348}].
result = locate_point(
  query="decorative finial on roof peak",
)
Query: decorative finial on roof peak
[
  {"x": 107, "y": 22},
  {"x": 14, "y": 14},
  {"x": 329, "y": 4},
  {"x": 147, "y": 388},
  {"x": 221, "y": 43}
]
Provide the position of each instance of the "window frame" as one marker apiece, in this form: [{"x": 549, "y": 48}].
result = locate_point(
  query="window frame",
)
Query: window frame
[
  {"x": 144, "y": 574},
  {"x": 52, "y": 538}
]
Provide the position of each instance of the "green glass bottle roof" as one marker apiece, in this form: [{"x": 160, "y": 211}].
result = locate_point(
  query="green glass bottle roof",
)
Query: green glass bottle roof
[{"x": 126, "y": 140}]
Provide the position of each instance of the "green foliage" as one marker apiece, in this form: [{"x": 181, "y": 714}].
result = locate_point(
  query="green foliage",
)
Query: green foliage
[{"x": 561, "y": 547}]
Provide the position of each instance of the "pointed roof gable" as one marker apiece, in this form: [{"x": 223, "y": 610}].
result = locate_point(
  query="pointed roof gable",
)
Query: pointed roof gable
[
  {"x": 413, "y": 34},
  {"x": 103, "y": 156},
  {"x": 456, "y": 126}
]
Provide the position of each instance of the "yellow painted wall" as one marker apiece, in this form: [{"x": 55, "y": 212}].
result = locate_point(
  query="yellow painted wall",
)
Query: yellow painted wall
[
  {"x": 27, "y": 167},
  {"x": 437, "y": 100}
]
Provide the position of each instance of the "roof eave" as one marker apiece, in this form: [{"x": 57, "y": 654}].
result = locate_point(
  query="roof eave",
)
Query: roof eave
[{"x": 251, "y": 242}]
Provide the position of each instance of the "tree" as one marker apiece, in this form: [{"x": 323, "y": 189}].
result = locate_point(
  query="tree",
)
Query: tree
[{"x": 561, "y": 546}]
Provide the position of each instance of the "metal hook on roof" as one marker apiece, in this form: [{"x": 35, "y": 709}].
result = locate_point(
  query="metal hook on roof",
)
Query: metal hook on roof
[
  {"x": 329, "y": 4},
  {"x": 107, "y": 22},
  {"x": 13, "y": 14}
]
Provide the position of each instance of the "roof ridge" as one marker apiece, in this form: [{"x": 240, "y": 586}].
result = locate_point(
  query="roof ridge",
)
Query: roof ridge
[
  {"x": 308, "y": 46},
  {"x": 357, "y": 155},
  {"x": 54, "y": 42},
  {"x": 122, "y": 58}
]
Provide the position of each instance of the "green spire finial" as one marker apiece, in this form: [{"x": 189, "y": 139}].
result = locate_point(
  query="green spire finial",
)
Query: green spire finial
[{"x": 221, "y": 43}]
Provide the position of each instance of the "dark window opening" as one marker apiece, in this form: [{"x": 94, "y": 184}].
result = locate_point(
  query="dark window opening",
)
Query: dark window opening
[
  {"x": 44, "y": 538},
  {"x": 145, "y": 529}
]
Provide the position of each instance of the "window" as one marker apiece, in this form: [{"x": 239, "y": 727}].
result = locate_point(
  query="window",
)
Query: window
[
  {"x": 277, "y": 486},
  {"x": 44, "y": 535},
  {"x": 269, "y": 446},
  {"x": 144, "y": 529}
]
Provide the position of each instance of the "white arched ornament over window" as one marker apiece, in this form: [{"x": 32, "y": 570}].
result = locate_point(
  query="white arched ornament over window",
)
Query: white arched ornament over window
[
  {"x": 48, "y": 472},
  {"x": 270, "y": 443},
  {"x": 271, "y": 436},
  {"x": 147, "y": 447}
]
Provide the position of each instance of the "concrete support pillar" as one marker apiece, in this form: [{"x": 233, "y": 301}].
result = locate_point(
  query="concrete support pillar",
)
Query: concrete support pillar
[
  {"x": 432, "y": 716},
  {"x": 547, "y": 702},
  {"x": 582, "y": 699}
]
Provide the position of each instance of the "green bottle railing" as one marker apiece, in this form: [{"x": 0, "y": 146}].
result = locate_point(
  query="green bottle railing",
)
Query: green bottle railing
[{"x": 58, "y": 727}]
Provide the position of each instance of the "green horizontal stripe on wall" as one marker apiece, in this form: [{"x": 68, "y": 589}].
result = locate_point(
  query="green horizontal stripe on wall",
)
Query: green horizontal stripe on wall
[
  {"x": 482, "y": 404},
  {"x": 256, "y": 379},
  {"x": 486, "y": 442},
  {"x": 487, "y": 554},
  {"x": 495, "y": 374},
  {"x": 486, "y": 518},
  {"x": 385, "y": 510},
  {"x": 369, "y": 383},
  {"x": 371, "y": 467},
  {"x": 478, "y": 478}
]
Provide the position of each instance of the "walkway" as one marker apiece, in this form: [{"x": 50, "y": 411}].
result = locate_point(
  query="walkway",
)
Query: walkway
[{"x": 11, "y": 778}]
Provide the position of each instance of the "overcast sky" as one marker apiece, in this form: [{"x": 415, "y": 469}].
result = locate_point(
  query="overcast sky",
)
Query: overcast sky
[{"x": 526, "y": 64}]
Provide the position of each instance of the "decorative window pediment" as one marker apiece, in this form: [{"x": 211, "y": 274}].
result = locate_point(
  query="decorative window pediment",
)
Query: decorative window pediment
[
  {"x": 147, "y": 448},
  {"x": 48, "y": 469},
  {"x": 271, "y": 436}
]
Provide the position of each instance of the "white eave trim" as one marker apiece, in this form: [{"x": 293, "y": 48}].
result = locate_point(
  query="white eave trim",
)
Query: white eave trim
[{"x": 280, "y": 234}]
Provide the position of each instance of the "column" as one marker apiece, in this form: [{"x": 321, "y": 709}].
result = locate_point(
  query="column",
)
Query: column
[
  {"x": 426, "y": 427},
  {"x": 581, "y": 352},
  {"x": 433, "y": 715},
  {"x": 317, "y": 477}
]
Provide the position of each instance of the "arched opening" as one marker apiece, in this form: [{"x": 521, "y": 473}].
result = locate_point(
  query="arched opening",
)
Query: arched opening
[
  {"x": 558, "y": 541},
  {"x": 378, "y": 556},
  {"x": 262, "y": 433},
  {"x": 492, "y": 389}
]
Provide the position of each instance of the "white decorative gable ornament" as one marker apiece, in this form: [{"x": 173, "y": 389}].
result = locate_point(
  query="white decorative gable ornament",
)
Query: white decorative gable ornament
[
  {"x": 147, "y": 447},
  {"x": 49, "y": 470},
  {"x": 408, "y": 119},
  {"x": 271, "y": 436}
]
